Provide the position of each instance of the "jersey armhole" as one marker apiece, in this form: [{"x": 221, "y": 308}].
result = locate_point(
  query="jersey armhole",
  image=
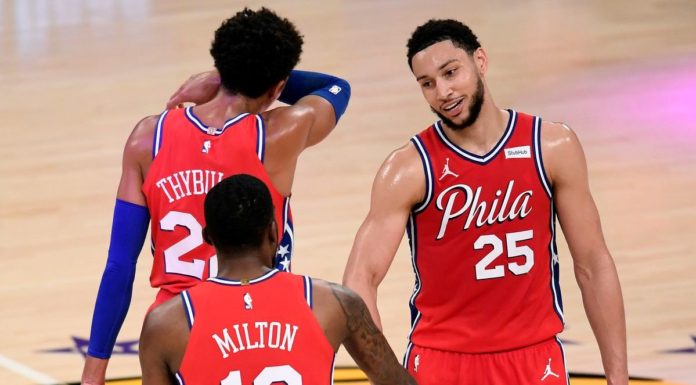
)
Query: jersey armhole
[
  {"x": 260, "y": 138},
  {"x": 308, "y": 291},
  {"x": 157, "y": 138},
  {"x": 188, "y": 307},
  {"x": 538, "y": 160},
  {"x": 427, "y": 170}
]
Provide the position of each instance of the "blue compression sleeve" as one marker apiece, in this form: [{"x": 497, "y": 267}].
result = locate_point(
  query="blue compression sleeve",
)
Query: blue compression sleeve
[
  {"x": 302, "y": 83},
  {"x": 128, "y": 233}
]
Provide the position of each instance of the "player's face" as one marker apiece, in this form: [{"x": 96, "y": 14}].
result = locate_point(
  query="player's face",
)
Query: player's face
[{"x": 450, "y": 82}]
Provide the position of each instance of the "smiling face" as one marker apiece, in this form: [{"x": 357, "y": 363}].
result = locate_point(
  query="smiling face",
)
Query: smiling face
[{"x": 451, "y": 82}]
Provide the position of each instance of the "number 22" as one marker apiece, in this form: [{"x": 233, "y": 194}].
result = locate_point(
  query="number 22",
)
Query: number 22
[{"x": 172, "y": 255}]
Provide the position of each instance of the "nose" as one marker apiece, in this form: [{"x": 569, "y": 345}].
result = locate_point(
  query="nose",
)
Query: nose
[{"x": 443, "y": 90}]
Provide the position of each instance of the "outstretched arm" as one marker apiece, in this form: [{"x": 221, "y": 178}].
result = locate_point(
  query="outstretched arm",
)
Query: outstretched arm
[
  {"x": 366, "y": 344},
  {"x": 128, "y": 231},
  {"x": 398, "y": 186},
  {"x": 594, "y": 267}
]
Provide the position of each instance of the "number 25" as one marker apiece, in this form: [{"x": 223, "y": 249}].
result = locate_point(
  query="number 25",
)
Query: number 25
[{"x": 483, "y": 271}]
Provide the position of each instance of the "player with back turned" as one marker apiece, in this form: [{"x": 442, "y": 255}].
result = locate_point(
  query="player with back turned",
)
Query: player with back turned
[{"x": 255, "y": 324}]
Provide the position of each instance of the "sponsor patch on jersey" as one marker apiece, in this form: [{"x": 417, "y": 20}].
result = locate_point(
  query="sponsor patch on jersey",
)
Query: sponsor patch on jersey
[{"x": 518, "y": 152}]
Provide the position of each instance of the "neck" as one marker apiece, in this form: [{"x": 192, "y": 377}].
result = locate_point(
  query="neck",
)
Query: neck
[
  {"x": 242, "y": 265},
  {"x": 225, "y": 106}
]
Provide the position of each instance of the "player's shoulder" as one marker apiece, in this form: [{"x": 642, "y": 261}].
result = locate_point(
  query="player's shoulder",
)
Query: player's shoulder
[
  {"x": 140, "y": 139},
  {"x": 167, "y": 318},
  {"x": 555, "y": 133},
  {"x": 327, "y": 292}
]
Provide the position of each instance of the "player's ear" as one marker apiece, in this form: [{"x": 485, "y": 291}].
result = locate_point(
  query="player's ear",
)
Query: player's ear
[
  {"x": 481, "y": 60},
  {"x": 274, "y": 92},
  {"x": 206, "y": 236},
  {"x": 273, "y": 234}
]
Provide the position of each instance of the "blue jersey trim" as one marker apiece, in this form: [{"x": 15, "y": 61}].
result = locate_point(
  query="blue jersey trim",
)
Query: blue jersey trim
[
  {"x": 554, "y": 265},
  {"x": 179, "y": 378},
  {"x": 427, "y": 169},
  {"x": 188, "y": 306},
  {"x": 157, "y": 138},
  {"x": 536, "y": 143},
  {"x": 412, "y": 236},
  {"x": 260, "y": 138},
  {"x": 512, "y": 121},
  {"x": 308, "y": 291}
]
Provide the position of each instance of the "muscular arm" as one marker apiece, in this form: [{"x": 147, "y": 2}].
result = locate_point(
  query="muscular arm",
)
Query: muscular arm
[
  {"x": 398, "y": 186},
  {"x": 127, "y": 235},
  {"x": 594, "y": 267},
  {"x": 366, "y": 344},
  {"x": 163, "y": 343}
]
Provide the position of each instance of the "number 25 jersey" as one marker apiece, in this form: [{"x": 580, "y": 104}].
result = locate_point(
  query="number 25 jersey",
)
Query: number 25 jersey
[{"x": 483, "y": 246}]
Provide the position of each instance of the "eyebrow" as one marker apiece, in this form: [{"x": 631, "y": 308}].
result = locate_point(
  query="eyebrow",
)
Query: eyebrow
[{"x": 445, "y": 64}]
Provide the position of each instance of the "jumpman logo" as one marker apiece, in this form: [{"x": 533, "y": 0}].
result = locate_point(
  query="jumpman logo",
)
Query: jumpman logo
[
  {"x": 416, "y": 362},
  {"x": 548, "y": 371},
  {"x": 446, "y": 170}
]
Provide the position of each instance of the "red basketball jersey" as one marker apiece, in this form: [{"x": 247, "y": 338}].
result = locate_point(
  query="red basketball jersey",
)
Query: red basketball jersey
[
  {"x": 258, "y": 332},
  {"x": 189, "y": 158},
  {"x": 483, "y": 245}
]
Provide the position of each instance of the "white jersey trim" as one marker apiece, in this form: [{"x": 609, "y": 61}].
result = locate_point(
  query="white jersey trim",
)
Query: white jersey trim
[
  {"x": 537, "y": 157},
  {"x": 308, "y": 291},
  {"x": 260, "y": 138},
  {"x": 188, "y": 306},
  {"x": 211, "y": 130},
  {"x": 427, "y": 168},
  {"x": 157, "y": 140}
]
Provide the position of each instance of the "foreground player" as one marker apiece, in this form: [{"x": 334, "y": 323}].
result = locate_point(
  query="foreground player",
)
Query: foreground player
[
  {"x": 171, "y": 161},
  {"x": 478, "y": 193},
  {"x": 255, "y": 324}
]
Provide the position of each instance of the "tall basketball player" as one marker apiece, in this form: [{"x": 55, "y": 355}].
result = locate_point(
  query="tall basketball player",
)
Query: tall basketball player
[
  {"x": 255, "y": 324},
  {"x": 172, "y": 160},
  {"x": 478, "y": 193}
]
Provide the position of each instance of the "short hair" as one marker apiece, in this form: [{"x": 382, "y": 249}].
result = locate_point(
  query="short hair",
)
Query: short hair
[
  {"x": 437, "y": 30},
  {"x": 254, "y": 50},
  {"x": 238, "y": 212}
]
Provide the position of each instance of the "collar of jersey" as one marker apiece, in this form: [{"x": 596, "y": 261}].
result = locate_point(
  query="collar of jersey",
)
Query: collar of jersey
[
  {"x": 232, "y": 282},
  {"x": 205, "y": 129},
  {"x": 471, "y": 156}
]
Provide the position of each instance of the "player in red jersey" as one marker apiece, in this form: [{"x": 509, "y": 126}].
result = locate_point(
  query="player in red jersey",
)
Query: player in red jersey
[
  {"x": 255, "y": 324},
  {"x": 170, "y": 162},
  {"x": 478, "y": 193}
]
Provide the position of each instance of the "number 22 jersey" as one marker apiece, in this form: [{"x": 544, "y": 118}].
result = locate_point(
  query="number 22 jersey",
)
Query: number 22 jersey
[
  {"x": 483, "y": 245},
  {"x": 189, "y": 158}
]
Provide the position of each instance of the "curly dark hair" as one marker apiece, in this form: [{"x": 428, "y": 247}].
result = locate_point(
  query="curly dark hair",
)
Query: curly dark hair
[
  {"x": 238, "y": 211},
  {"x": 254, "y": 50},
  {"x": 435, "y": 31}
]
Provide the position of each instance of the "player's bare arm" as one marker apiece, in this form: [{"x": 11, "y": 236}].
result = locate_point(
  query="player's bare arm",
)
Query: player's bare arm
[
  {"x": 289, "y": 131},
  {"x": 594, "y": 267},
  {"x": 365, "y": 343},
  {"x": 398, "y": 186},
  {"x": 163, "y": 342},
  {"x": 137, "y": 155}
]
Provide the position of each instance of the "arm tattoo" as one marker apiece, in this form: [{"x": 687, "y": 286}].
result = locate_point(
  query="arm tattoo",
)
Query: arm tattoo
[{"x": 366, "y": 343}]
